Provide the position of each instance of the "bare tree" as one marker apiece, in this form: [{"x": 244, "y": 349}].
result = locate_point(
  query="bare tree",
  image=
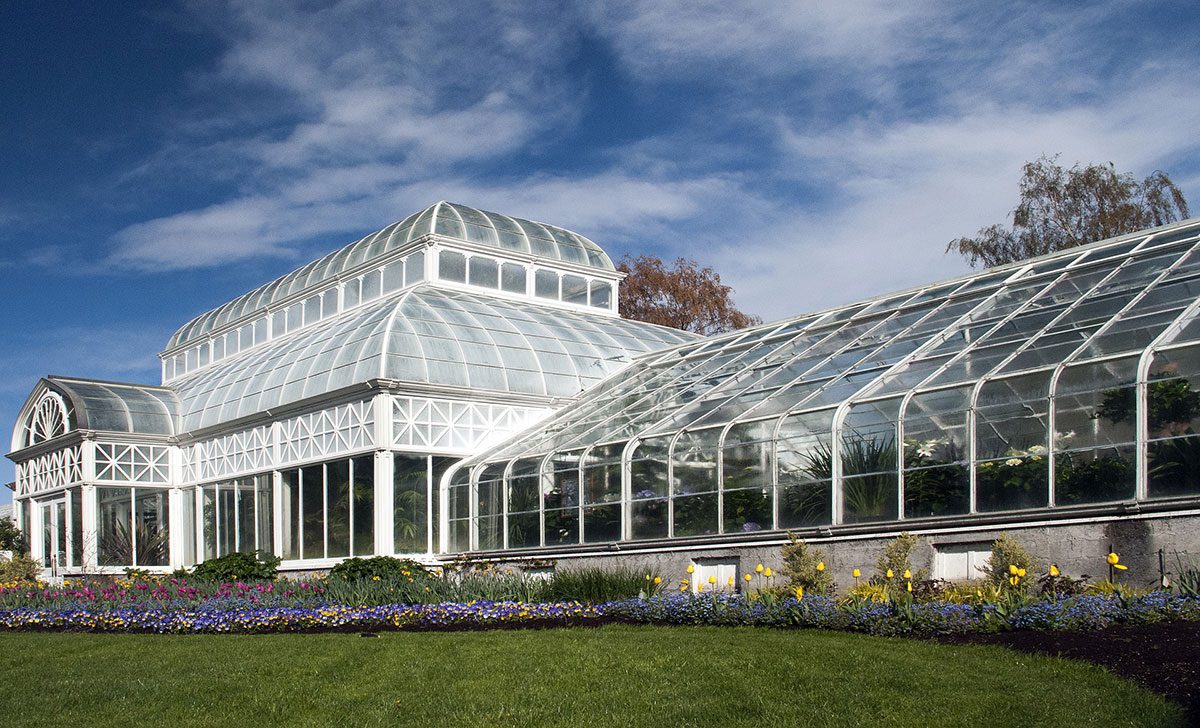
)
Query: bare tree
[
  {"x": 686, "y": 296},
  {"x": 1061, "y": 208}
]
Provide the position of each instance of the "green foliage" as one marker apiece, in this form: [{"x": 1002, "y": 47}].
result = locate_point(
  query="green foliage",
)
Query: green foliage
[
  {"x": 243, "y": 566},
  {"x": 1187, "y": 578},
  {"x": 1170, "y": 404},
  {"x": 897, "y": 558},
  {"x": 11, "y": 538},
  {"x": 596, "y": 585},
  {"x": 1008, "y": 552},
  {"x": 805, "y": 567},
  {"x": 384, "y": 567},
  {"x": 20, "y": 569}
]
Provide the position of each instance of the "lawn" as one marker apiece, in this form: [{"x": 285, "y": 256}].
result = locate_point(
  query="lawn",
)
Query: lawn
[{"x": 608, "y": 676}]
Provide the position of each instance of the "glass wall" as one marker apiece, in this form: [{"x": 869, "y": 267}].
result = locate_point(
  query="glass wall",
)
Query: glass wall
[
  {"x": 415, "y": 480},
  {"x": 131, "y": 527},
  {"x": 236, "y": 515},
  {"x": 328, "y": 509},
  {"x": 1017, "y": 389}
]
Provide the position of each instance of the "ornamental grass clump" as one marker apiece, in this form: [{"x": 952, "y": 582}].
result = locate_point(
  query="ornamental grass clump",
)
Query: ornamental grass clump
[
  {"x": 594, "y": 585},
  {"x": 1009, "y": 560},
  {"x": 804, "y": 567},
  {"x": 894, "y": 567}
]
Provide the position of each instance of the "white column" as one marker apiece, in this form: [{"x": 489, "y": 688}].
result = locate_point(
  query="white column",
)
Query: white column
[
  {"x": 384, "y": 537},
  {"x": 90, "y": 537},
  {"x": 177, "y": 530},
  {"x": 385, "y": 544}
]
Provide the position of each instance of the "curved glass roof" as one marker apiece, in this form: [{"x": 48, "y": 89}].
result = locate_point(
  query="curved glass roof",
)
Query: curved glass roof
[
  {"x": 446, "y": 219},
  {"x": 909, "y": 405},
  {"x": 425, "y": 335},
  {"x": 114, "y": 407}
]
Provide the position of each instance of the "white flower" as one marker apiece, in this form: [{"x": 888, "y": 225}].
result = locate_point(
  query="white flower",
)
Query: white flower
[
  {"x": 928, "y": 447},
  {"x": 1061, "y": 437},
  {"x": 1037, "y": 450},
  {"x": 1013, "y": 462}
]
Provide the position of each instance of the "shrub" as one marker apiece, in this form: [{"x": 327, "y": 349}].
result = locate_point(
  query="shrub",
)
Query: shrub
[
  {"x": 805, "y": 567},
  {"x": 11, "y": 538},
  {"x": 256, "y": 566},
  {"x": 1006, "y": 553},
  {"x": 595, "y": 585},
  {"x": 20, "y": 569},
  {"x": 897, "y": 558},
  {"x": 384, "y": 567}
]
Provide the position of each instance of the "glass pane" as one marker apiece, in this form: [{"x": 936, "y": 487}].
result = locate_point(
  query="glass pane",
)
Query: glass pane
[
  {"x": 313, "y": 500},
  {"x": 265, "y": 514},
  {"x": 414, "y": 268},
  {"x": 512, "y": 278},
  {"x": 291, "y": 510},
  {"x": 484, "y": 272},
  {"x": 150, "y": 534},
  {"x": 574, "y": 289},
  {"x": 209, "y": 520},
  {"x": 601, "y": 294},
  {"x": 452, "y": 266},
  {"x": 337, "y": 508},
  {"x": 695, "y": 515},
  {"x": 77, "y": 527},
  {"x": 226, "y": 525},
  {"x": 546, "y": 284},
  {"x": 440, "y": 466},
  {"x": 393, "y": 276},
  {"x": 363, "y": 498},
  {"x": 410, "y": 483},
  {"x": 602, "y": 523},
  {"x": 649, "y": 517},
  {"x": 746, "y": 511}
]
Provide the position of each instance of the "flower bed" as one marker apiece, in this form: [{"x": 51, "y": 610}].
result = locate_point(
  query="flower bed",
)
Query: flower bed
[
  {"x": 221, "y": 617},
  {"x": 266, "y": 608}
]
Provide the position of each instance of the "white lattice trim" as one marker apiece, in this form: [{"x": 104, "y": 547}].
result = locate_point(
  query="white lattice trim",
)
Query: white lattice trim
[
  {"x": 235, "y": 454},
  {"x": 328, "y": 433},
  {"x": 456, "y": 426},
  {"x": 128, "y": 463},
  {"x": 52, "y": 470}
]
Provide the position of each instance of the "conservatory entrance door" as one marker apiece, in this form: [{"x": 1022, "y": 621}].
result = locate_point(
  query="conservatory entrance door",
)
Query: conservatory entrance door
[{"x": 54, "y": 536}]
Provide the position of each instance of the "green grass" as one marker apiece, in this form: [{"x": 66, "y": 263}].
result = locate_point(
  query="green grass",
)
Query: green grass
[{"x": 611, "y": 676}]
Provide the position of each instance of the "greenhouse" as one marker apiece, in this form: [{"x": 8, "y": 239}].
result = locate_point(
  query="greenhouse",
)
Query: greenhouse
[
  {"x": 460, "y": 384},
  {"x": 1062, "y": 387}
]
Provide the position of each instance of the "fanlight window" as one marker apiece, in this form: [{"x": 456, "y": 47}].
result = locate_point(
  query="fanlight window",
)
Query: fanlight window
[{"x": 48, "y": 420}]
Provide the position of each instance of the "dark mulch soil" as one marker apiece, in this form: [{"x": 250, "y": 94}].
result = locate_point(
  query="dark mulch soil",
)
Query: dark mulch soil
[{"x": 1163, "y": 657}]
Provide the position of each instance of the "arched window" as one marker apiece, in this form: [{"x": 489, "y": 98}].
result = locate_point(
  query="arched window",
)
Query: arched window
[{"x": 49, "y": 419}]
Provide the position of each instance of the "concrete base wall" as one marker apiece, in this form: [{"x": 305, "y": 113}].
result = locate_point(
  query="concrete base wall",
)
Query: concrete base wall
[{"x": 1078, "y": 548}]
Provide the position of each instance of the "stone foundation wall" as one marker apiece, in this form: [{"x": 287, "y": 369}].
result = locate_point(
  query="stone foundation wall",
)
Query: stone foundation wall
[{"x": 1077, "y": 548}]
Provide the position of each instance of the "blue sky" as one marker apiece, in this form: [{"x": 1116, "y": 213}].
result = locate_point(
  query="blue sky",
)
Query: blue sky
[{"x": 158, "y": 159}]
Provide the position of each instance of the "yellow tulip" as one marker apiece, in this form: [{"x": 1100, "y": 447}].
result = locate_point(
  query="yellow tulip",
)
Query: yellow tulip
[
  {"x": 691, "y": 569},
  {"x": 1122, "y": 567},
  {"x": 1021, "y": 573},
  {"x": 907, "y": 574},
  {"x": 799, "y": 592},
  {"x": 1012, "y": 569},
  {"x": 747, "y": 577},
  {"x": 856, "y": 573},
  {"x": 731, "y": 581},
  {"x": 767, "y": 572},
  {"x": 909, "y": 587},
  {"x": 1013, "y": 580},
  {"x": 1054, "y": 570},
  {"x": 890, "y": 574},
  {"x": 658, "y": 580},
  {"x": 1113, "y": 559},
  {"x": 820, "y": 566},
  {"x": 759, "y": 568},
  {"x": 712, "y": 580}
]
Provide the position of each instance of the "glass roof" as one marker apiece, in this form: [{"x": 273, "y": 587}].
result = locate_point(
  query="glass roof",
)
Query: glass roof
[
  {"x": 446, "y": 219},
  {"x": 113, "y": 407},
  {"x": 1103, "y": 300},
  {"x": 425, "y": 335}
]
